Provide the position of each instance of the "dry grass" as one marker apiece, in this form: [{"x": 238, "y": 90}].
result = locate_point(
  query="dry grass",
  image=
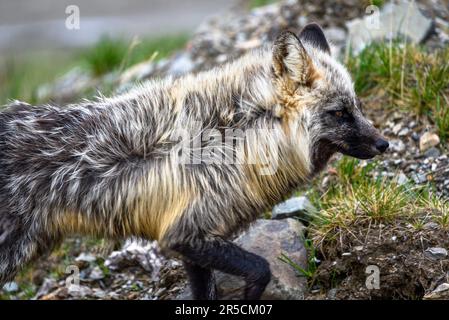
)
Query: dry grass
[{"x": 356, "y": 197}]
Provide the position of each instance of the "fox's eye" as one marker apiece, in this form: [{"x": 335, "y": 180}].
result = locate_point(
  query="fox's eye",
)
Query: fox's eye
[{"x": 338, "y": 114}]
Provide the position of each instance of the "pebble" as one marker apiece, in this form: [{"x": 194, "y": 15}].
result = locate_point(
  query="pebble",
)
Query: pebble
[
  {"x": 11, "y": 287},
  {"x": 397, "y": 145},
  {"x": 436, "y": 253},
  {"x": 432, "y": 152},
  {"x": 293, "y": 207},
  {"x": 96, "y": 273},
  {"x": 428, "y": 140}
]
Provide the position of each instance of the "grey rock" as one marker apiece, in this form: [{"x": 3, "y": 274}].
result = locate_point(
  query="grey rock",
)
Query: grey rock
[
  {"x": 397, "y": 145},
  {"x": 296, "y": 206},
  {"x": 86, "y": 257},
  {"x": 68, "y": 86},
  {"x": 394, "y": 19},
  {"x": 419, "y": 178},
  {"x": 136, "y": 253},
  {"x": 401, "y": 179},
  {"x": 96, "y": 273},
  {"x": 46, "y": 287},
  {"x": 78, "y": 291},
  {"x": 139, "y": 71},
  {"x": 431, "y": 226},
  {"x": 11, "y": 287},
  {"x": 270, "y": 239},
  {"x": 397, "y": 128},
  {"x": 432, "y": 152},
  {"x": 436, "y": 253},
  {"x": 404, "y": 132},
  {"x": 441, "y": 292},
  {"x": 182, "y": 64}
]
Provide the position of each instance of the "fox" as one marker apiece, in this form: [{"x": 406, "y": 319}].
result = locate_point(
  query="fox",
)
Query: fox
[{"x": 111, "y": 167}]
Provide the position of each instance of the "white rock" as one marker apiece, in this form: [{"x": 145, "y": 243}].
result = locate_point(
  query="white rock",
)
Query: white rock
[
  {"x": 11, "y": 287},
  {"x": 428, "y": 140},
  {"x": 293, "y": 207},
  {"x": 403, "y": 18},
  {"x": 86, "y": 257}
]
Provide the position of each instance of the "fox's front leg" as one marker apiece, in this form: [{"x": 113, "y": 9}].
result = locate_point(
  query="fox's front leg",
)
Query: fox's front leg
[
  {"x": 202, "y": 281},
  {"x": 217, "y": 253}
]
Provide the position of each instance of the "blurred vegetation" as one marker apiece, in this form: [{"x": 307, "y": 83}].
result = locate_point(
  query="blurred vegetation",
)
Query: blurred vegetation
[
  {"x": 21, "y": 76},
  {"x": 260, "y": 3},
  {"x": 110, "y": 54},
  {"x": 410, "y": 77}
]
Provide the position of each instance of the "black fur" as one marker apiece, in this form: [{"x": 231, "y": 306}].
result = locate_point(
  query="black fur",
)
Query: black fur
[
  {"x": 313, "y": 34},
  {"x": 223, "y": 255}
]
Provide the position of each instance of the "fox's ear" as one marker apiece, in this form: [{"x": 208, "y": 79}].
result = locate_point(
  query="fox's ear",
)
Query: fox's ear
[
  {"x": 291, "y": 59},
  {"x": 313, "y": 34}
]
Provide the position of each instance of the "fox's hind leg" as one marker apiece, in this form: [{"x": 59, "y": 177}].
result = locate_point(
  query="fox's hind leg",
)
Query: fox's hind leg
[
  {"x": 223, "y": 255},
  {"x": 202, "y": 281},
  {"x": 18, "y": 245}
]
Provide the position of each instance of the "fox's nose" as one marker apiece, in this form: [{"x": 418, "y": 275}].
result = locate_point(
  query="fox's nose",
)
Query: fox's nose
[{"x": 382, "y": 145}]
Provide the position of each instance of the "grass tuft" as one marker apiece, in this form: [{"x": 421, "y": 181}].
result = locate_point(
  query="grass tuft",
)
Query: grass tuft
[
  {"x": 360, "y": 197},
  {"x": 410, "y": 77}
]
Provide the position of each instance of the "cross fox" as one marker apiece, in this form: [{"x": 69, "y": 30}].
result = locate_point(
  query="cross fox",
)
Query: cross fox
[{"x": 111, "y": 168}]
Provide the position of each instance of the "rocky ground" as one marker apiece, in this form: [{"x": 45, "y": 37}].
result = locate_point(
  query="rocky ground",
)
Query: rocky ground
[{"x": 415, "y": 263}]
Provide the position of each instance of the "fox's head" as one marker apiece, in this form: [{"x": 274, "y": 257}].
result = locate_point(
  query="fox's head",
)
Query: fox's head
[{"x": 315, "y": 89}]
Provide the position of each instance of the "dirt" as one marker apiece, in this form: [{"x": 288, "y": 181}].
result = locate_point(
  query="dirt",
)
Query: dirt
[{"x": 407, "y": 271}]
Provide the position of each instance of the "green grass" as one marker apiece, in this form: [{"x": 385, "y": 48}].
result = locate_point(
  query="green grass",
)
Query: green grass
[
  {"x": 21, "y": 76},
  {"x": 260, "y": 3},
  {"x": 409, "y": 77},
  {"x": 311, "y": 267},
  {"x": 356, "y": 197},
  {"x": 110, "y": 54}
]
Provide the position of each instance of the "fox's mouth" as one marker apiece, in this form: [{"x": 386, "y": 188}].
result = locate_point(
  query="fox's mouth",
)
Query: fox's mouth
[
  {"x": 365, "y": 151},
  {"x": 362, "y": 153}
]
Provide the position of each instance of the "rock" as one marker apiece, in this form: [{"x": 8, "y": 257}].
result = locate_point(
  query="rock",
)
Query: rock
[
  {"x": 397, "y": 128},
  {"x": 431, "y": 226},
  {"x": 58, "y": 294},
  {"x": 394, "y": 19},
  {"x": 415, "y": 136},
  {"x": 98, "y": 293},
  {"x": 270, "y": 239},
  {"x": 428, "y": 140},
  {"x": 441, "y": 292},
  {"x": 403, "y": 132},
  {"x": 67, "y": 87},
  {"x": 397, "y": 145},
  {"x": 401, "y": 179},
  {"x": 141, "y": 253},
  {"x": 139, "y": 71},
  {"x": 96, "y": 273},
  {"x": 436, "y": 253},
  {"x": 432, "y": 152},
  {"x": 11, "y": 287},
  {"x": 47, "y": 286},
  {"x": 86, "y": 257},
  {"x": 78, "y": 291},
  {"x": 181, "y": 65},
  {"x": 297, "y": 206}
]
